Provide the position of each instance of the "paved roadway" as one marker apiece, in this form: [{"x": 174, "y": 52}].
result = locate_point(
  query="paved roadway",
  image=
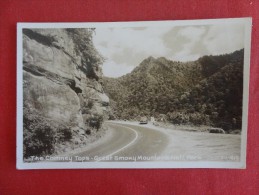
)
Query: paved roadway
[{"x": 127, "y": 141}]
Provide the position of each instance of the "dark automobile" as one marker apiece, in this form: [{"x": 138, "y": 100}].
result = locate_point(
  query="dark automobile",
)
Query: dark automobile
[
  {"x": 143, "y": 120},
  {"x": 216, "y": 130}
]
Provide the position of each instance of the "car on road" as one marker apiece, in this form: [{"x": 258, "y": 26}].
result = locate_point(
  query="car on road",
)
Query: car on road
[
  {"x": 143, "y": 120},
  {"x": 216, "y": 130}
]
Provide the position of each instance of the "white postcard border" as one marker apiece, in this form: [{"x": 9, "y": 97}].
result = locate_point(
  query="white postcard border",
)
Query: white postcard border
[{"x": 116, "y": 165}]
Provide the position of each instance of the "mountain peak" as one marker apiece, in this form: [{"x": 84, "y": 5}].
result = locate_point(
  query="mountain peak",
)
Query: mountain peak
[{"x": 150, "y": 58}]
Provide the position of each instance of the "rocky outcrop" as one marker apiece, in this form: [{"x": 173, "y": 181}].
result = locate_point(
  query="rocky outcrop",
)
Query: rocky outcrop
[{"x": 62, "y": 72}]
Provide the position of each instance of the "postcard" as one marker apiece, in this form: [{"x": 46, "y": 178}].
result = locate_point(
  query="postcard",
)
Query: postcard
[{"x": 156, "y": 94}]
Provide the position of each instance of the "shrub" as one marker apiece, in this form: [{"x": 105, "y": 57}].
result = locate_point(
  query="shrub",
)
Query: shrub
[
  {"x": 95, "y": 121},
  {"x": 177, "y": 118},
  {"x": 90, "y": 58},
  {"x": 189, "y": 118},
  {"x": 88, "y": 132},
  {"x": 87, "y": 107},
  {"x": 63, "y": 134},
  {"x": 38, "y": 136},
  {"x": 90, "y": 104}
]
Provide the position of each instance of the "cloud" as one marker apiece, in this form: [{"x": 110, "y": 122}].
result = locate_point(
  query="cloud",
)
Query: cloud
[
  {"x": 141, "y": 43},
  {"x": 183, "y": 41},
  {"x": 125, "y": 48},
  {"x": 193, "y": 33},
  {"x": 223, "y": 39},
  {"x": 113, "y": 69}
]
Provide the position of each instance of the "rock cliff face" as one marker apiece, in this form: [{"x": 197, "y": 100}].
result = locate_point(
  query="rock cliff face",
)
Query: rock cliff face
[{"x": 62, "y": 90}]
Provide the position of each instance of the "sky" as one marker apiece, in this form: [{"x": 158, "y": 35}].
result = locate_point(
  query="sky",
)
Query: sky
[{"x": 125, "y": 48}]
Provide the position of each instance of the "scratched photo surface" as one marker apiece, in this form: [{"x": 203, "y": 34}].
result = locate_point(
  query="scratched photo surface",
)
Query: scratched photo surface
[{"x": 166, "y": 94}]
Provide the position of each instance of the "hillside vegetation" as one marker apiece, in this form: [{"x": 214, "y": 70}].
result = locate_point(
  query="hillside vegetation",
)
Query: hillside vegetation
[{"x": 207, "y": 91}]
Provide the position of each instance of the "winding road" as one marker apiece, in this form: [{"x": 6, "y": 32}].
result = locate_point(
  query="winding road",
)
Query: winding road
[
  {"x": 129, "y": 142},
  {"x": 126, "y": 141}
]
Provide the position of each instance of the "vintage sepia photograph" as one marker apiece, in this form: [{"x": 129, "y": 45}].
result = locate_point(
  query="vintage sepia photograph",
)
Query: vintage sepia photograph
[{"x": 157, "y": 94}]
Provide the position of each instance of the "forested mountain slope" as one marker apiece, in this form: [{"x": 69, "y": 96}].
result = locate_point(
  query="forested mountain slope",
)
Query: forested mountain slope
[{"x": 205, "y": 91}]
